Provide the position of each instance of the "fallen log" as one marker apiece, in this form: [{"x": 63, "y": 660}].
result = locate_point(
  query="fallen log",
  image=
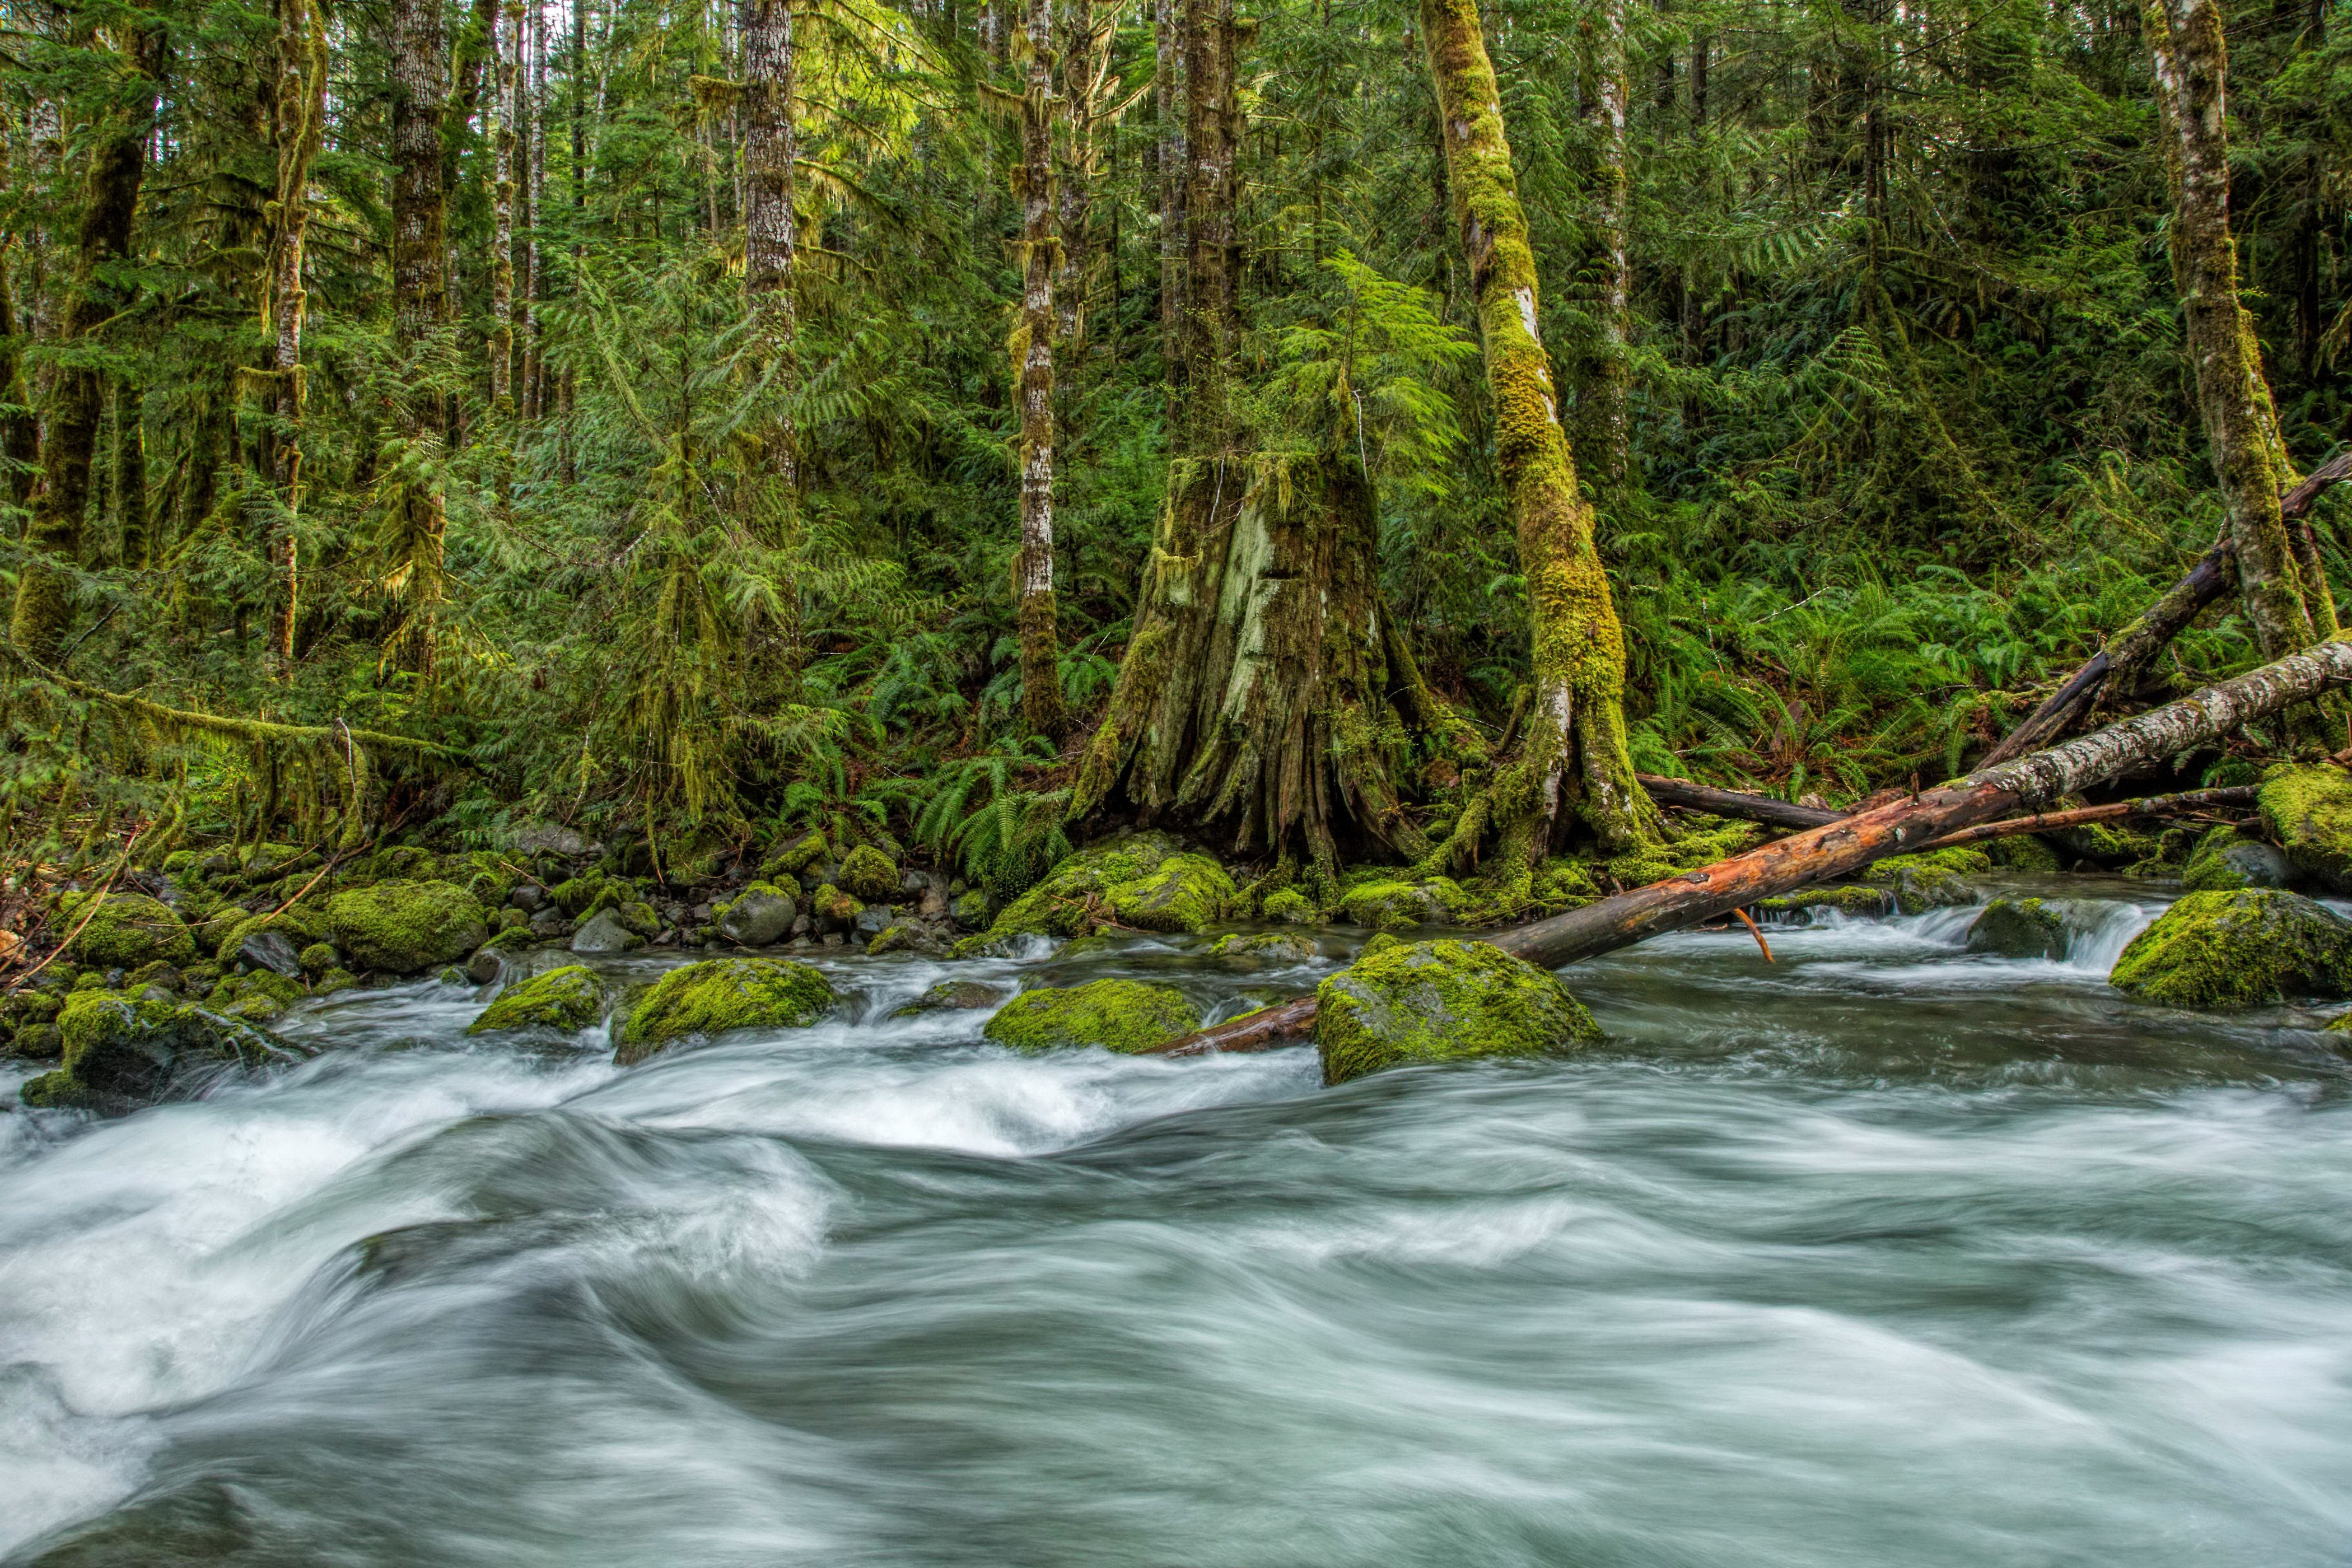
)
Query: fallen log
[
  {"x": 2186, "y": 801},
  {"x": 1685, "y": 795},
  {"x": 1840, "y": 848},
  {"x": 2133, "y": 648}
]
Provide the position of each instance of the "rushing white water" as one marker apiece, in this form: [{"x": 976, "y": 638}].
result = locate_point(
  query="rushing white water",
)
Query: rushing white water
[{"x": 1882, "y": 1253}]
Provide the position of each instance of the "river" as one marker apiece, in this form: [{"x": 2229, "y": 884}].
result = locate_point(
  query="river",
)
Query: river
[{"x": 1883, "y": 1253}]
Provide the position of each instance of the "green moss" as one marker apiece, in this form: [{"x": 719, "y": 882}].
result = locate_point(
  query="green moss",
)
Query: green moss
[
  {"x": 951, "y": 995},
  {"x": 1393, "y": 904},
  {"x": 319, "y": 957},
  {"x": 2019, "y": 928},
  {"x": 1071, "y": 899},
  {"x": 1380, "y": 943},
  {"x": 295, "y": 926},
  {"x": 405, "y": 927},
  {"x": 1655, "y": 862},
  {"x": 572, "y": 898},
  {"x": 567, "y": 1000},
  {"x": 1440, "y": 1002},
  {"x": 1277, "y": 946},
  {"x": 514, "y": 939},
  {"x": 2241, "y": 949},
  {"x": 126, "y": 931},
  {"x": 1848, "y": 900},
  {"x": 723, "y": 993},
  {"x": 640, "y": 917},
  {"x": 1931, "y": 880},
  {"x": 836, "y": 908},
  {"x": 334, "y": 980},
  {"x": 121, "y": 1051},
  {"x": 867, "y": 873},
  {"x": 2309, "y": 809},
  {"x": 1125, "y": 1015},
  {"x": 1183, "y": 893},
  {"x": 2021, "y": 852},
  {"x": 810, "y": 851},
  {"x": 1289, "y": 907}
]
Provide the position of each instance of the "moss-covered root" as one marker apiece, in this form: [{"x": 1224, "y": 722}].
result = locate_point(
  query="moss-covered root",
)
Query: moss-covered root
[
  {"x": 566, "y": 1000},
  {"x": 1125, "y": 1015},
  {"x": 724, "y": 994},
  {"x": 2242, "y": 949},
  {"x": 405, "y": 927},
  {"x": 1428, "y": 1002}
]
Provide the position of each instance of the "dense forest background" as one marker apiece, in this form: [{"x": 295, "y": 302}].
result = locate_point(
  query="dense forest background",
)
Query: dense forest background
[{"x": 560, "y": 491}]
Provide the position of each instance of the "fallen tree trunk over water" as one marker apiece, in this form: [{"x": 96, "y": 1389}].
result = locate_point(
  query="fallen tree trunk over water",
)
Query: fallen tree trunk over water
[
  {"x": 2186, "y": 801},
  {"x": 1838, "y": 848},
  {"x": 1685, "y": 795}
]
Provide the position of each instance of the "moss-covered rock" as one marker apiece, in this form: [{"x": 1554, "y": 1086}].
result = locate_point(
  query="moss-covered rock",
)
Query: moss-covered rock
[
  {"x": 1933, "y": 880},
  {"x": 566, "y": 1000},
  {"x": 1392, "y": 904},
  {"x": 606, "y": 933},
  {"x": 319, "y": 957},
  {"x": 760, "y": 916},
  {"x": 1845, "y": 900},
  {"x": 1656, "y": 861},
  {"x": 868, "y": 874},
  {"x": 2309, "y": 810},
  {"x": 2022, "y": 852},
  {"x": 953, "y": 996},
  {"x": 1125, "y": 1015},
  {"x": 723, "y": 993},
  {"x": 2242, "y": 949},
  {"x": 298, "y": 927},
  {"x": 126, "y": 931},
  {"x": 405, "y": 927},
  {"x": 796, "y": 858},
  {"x": 122, "y": 1052},
  {"x": 972, "y": 909},
  {"x": 902, "y": 936},
  {"x": 2020, "y": 928},
  {"x": 1288, "y": 906},
  {"x": 834, "y": 909},
  {"x": 1121, "y": 878},
  {"x": 1266, "y": 947},
  {"x": 2226, "y": 860},
  {"x": 572, "y": 898},
  {"x": 1425, "y": 1002}
]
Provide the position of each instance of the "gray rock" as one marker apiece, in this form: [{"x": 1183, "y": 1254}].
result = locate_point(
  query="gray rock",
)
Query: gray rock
[
  {"x": 484, "y": 967},
  {"x": 271, "y": 951},
  {"x": 953, "y": 995},
  {"x": 606, "y": 933},
  {"x": 2020, "y": 928},
  {"x": 528, "y": 898},
  {"x": 548, "y": 924},
  {"x": 2261, "y": 865},
  {"x": 874, "y": 920},
  {"x": 702, "y": 914},
  {"x": 545, "y": 839},
  {"x": 758, "y": 919}
]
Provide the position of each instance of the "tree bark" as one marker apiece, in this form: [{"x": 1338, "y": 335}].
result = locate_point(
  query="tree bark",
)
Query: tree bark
[
  {"x": 1685, "y": 795},
  {"x": 2180, "y": 804},
  {"x": 770, "y": 228},
  {"x": 1847, "y": 844},
  {"x": 118, "y": 162},
  {"x": 300, "y": 115},
  {"x": 2285, "y": 592},
  {"x": 419, "y": 69},
  {"x": 1574, "y": 751},
  {"x": 534, "y": 216},
  {"x": 507, "y": 45},
  {"x": 1168, "y": 98},
  {"x": 1033, "y": 365},
  {"x": 1604, "y": 443}
]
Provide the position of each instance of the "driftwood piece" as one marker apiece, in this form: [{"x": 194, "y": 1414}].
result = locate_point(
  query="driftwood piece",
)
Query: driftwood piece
[
  {"x": 1685, "y": 795},
  {"x": 1846, "y": 846}
]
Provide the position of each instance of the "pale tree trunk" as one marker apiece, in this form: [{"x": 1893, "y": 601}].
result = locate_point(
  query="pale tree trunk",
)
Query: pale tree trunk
[
  {"x": 769, "y": 232},
  {"x": 419, "y": 299},
  {"x": 1168, "y": 98},
  {"x": 301, "y": 116},
  {"x": 1032, "y": 344},
  {"x": 2282, "y": 586},
  {"x": 1573, "y": 750},
  {"x": 534, "y": 216},
  {"x": 53, "y": 536},
  {"x": 1085, "y": 60},
  {"x": 507, "y": 44},
  {"x": 568, "y": 450},
  {"x": 1604, "y": 443}
]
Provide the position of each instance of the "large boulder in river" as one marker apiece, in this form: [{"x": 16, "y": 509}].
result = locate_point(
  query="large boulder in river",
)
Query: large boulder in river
[
  {"x": 2242, "y": 949},
  {"x": 566, "y": 1000},
  {"x": 404, "y": 927},
  {"x": 1932, "y": 879},
  {"x": 2020, "y": 928},
  {"x": 760, "y": 916},
  {"x": 1118, "y": 1015},
  {"x": 1422, "y": 1002},
  {"x": 125, "y": 930},
  {"x": 122, "y": 1052},
  {"x": 1143, "y": 880},
  {"x": 723, "y": 993},
  {"x": 2309, "y": 810}
]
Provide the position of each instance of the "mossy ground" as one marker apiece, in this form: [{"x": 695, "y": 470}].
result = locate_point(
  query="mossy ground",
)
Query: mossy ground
[
  {"x": 723, "y": 993},
  {"x": 1440, "y": 1002},
  {"x": 1125, "y": 1015}
]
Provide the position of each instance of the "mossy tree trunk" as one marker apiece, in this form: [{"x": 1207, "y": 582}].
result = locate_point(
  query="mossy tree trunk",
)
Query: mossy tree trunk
[
  {"x": 2281, "y": 581},
  {"x": 1603, "y": 428},
  {"x": 1167, "y": 99},
  {"x": 420, "y": 88},
  {"x": 507, "y": 50},
  {"x": 1253, "y": 703},
  {"x": 300, "y": 111},
  {"x": 118, "y": 162},
  {"x": 1571, "y": 761},
  {"x": 1033, "y": 361}
]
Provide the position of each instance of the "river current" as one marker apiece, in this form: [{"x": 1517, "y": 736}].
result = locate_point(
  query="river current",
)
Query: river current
[{"x": 1882, "y": 1253}]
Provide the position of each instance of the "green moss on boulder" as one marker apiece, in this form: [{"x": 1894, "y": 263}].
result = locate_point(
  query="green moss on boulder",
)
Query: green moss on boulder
[
  {"x": 1125, "y": 1015},
  {"x": 2226, "y": 860},
  {"x": 567, "y": 1000},
  {"x": 2309, "y": 810},
  {"x": 1121, "y": 878},
  {"x": 126, "y": 931},
  {"x": 868, "y": 874},
  {"x": 298, "y": 927},
  {"x": 1847, "y": 900},
  {"x": 1933, "y": 880},
  {"x": 121, "y": 1052},
  {"x": 1288, "y": 906},
  {"x": 1185, "y": 892},
  {"x": 1394, "y": 903},
  {"x": 723, "y": 993},
  {"x": 796, "y": 858},
  {"x": 2020, "y": 928},
  {"x": 1427, "y": 1002},
  {"x": 2021, "y": 852},
  {"x": 953, "y": 996},
  {"x": 1271, "y": 947},
  {"x": 2242, "y": 949},
  {"x": 405, "y": 927}
]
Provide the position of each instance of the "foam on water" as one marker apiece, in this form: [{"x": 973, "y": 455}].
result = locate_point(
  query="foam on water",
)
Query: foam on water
[{"x": 1882, "y": 1253}]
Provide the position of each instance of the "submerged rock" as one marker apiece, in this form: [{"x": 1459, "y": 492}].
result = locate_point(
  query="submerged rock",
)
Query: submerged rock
[
  {"x": 762, "y": 916},
  {"x": 2242, "y": 949},
  {"x": 953, "y": 996},
  {"x": 1440, "y": 1002},
  {"x": 405, "y": 927},
  {"x": 126, "y": 931},
  {"x": 2020, "y": 928},
  {"x": 122, "y": 1052},
  {"x": 1118, "y": 1015},
  {"x": 2310, "y": 811},
  {"x": 723, "y": 993},
  {"x": 2226, "y": 860},
  {"x": 1933, "y": 880},
  {"x": 568, "y": 999}
]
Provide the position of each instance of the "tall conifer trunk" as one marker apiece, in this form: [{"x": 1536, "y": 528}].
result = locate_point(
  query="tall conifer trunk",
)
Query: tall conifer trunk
[
  {"x": 1572, "y": 750},
  {"x": 420, "y": 88},
  {"x": 507, "y": 45},
  {"x": 1168, "y": 98},
  {"x": 1603, "y": 436},
  {"x": 117, "y": 163},
  {"x": 771, "y": 231},
  {"x": 1033, "y": 343},
  {"x": 301, "y": 116}
]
